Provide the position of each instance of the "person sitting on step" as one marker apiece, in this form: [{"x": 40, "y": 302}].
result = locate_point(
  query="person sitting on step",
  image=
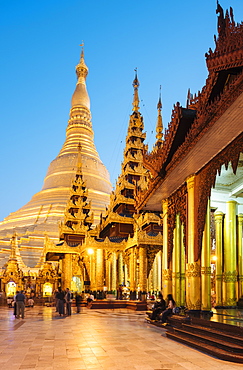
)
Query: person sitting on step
[
  {"x": 158, "y": 307},
  {"x": 169, "y": 310}
]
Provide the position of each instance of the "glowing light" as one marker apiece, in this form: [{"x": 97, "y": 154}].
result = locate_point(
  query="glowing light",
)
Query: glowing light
[
  {"x": 90, "y": 251},
  {"x": 214, "y": 258}
]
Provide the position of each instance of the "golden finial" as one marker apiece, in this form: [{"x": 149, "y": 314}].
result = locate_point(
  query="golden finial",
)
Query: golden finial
[
  {"x": 159, "y": 105},
  {"x": 159, "y": 127},
  {"x": 82, "y": 50},
  {"x": 135, "y": 96},
  {"x": 82, "y": 69}
]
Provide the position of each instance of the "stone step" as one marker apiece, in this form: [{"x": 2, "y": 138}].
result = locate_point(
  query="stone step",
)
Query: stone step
[
  {"x": 215, "y": 333},
  {"x": 204, "y": 338},
  {"x": 205, "y": 347}
]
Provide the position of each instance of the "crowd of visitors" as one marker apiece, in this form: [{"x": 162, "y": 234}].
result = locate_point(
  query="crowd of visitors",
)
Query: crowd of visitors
[{"x": 161, "y": 309}]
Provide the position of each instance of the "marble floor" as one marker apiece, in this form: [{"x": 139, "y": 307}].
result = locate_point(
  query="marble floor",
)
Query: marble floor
[{"x": 93, "y": 339}]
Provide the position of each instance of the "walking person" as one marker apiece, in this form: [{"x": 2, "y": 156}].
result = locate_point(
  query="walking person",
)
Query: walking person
[
  {"x": 68, "y": 299},
  {"x": 15, "y": 305},
  {"x": 78, "y": 302},
  {"x": 20, "y": 304}
]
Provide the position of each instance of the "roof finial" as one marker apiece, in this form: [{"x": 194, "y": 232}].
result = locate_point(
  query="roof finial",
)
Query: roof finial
[
  {"x": 82, "y": 69},
  {"x": 82, "y": 50},
  {"x": 159, "y": 127},
  {"x": 135, "y": 96}
]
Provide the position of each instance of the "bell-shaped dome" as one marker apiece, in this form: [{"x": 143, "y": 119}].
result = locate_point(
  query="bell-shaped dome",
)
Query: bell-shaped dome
[{"x": 45, "y": 210}]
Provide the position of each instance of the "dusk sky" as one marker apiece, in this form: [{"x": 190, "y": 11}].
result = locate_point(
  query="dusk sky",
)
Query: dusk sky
[{"x": 165, "y": 40}]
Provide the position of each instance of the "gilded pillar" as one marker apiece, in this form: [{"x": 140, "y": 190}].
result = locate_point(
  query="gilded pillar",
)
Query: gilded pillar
[
  {"x": 108, "y": 274},
  {"x": 218, "y": 217},
  {"x": 113, "y": 272},
  {"x": 176, "y": 261},
  {"x": 67, "y": 270},
  {"x": 150, "y": 284},
  {"x": 182, "y": 270},
  {"x": 193, "y": 270},
  {"x": 120, "y": 269},
  {"x": 99, "y": 269},
  {"x": 125, "y": 274},
  {"x": 206, "y": 264},
  {"x": 166, "y": 271},
  {"x": 155, "y": 274},
  {"x": 240, "y": 254},
  {"x": 142, "y": 269},
  {"x": 230, "y": 274},
  {"x": 92, "y": 271},
  {"x": 159, "y": 267},
  {"x": 132, "y": 270}
]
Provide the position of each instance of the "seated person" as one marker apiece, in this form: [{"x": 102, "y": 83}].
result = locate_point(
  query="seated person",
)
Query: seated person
[
  {"x": 30, "y": 302},
  {"x": 90, "y": 300},
  {"x": 159, "y": 306},
  {"x": 169, "y": 310}
]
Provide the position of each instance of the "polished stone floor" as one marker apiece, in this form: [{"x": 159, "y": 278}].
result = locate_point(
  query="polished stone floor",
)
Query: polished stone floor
[{"x": 93, "y": 339}]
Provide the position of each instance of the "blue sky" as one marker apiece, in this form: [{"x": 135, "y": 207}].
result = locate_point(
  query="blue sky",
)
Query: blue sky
[{"x": 165, "y": 40}]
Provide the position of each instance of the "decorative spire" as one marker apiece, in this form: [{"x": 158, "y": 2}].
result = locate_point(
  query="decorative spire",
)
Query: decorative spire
[
  {"x": 14, "y": 252},
  {"x": 14, "y": 246},
  {"x": 135, "y": 96},
  {"x": 80, "y": 96},
  {"x": 159, "y": 127},
  {"x": 81, "y": 69}
]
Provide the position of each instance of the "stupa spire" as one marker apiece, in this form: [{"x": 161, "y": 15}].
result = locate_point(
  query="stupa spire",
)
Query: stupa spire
[
  {"x": 135, "y": 96},
  {"x": 14, "y": 251},
  {"x": 80, "y": 96},
  {"x": 81, "y": 69},
  {"x": 159, "y": 127}
]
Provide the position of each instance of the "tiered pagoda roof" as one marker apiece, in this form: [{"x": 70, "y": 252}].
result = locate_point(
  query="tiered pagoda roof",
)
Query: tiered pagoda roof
[
  {"x": 77, "y": 217},
  {"x": 118, "y": 219}
]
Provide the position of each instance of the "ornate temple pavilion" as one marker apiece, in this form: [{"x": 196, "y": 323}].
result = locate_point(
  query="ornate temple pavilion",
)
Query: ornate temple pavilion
[
  {"x": 174, "y": 221},
  {"x": 197, "y": 182}
]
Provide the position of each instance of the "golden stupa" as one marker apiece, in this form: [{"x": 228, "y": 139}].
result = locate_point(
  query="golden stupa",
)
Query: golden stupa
[{"x": 42, "y": 214}]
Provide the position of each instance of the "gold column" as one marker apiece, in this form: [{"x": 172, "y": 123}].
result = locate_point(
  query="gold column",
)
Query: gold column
[
  {"x": 92, "y": 271},
  {"x": 193, "y": 268},
  {"x": 155, "y": 274},
  {"x": 176, "y": 261},
  {"x": 125, "y": 274},
  {"x": 67, "y": 270},
  {"x": 142, "y": 269},
  {"x": 240, "y": 254},
  {"x": 113, "y": 272},
  {"x": 159, "y": 266},
  {"x": 218, "y": 217},
  {"x": 120, "y": 269},
  {"x": 108, "y": 273},
  {"x": 99, "y": 269},
  {"x": 230, "y": 274},
  {"x": 150, "y": 280},
  {"x": 206, "y": 264},
  {"x": 182, "y": 270},
  {"x": 166, "y": 271},
  {"x": 132, "y": 270}
]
